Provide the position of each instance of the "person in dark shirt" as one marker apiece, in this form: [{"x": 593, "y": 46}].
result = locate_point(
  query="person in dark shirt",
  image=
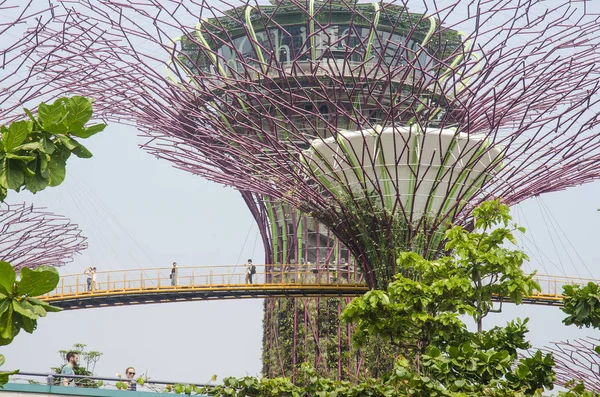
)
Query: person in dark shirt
[{"x": 174, "y": 274}]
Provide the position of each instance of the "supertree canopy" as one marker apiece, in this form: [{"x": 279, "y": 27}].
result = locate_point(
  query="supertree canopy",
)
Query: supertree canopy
[
  {"x": 32, "y": 237},
  {"x": 383, "y": 125},
  {"x": 29, "y": 237},
  {"x": 351, "y": 130}
]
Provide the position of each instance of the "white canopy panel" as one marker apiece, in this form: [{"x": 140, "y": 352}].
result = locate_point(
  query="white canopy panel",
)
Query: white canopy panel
[{"x": 426, "y": 171}]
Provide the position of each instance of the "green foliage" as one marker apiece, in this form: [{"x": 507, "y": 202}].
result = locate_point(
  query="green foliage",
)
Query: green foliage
[
  {"x": 582, "y": 305},
  {"x": 33, "y": 156},
  {"x": 411, "y": 314},
  {"x": 34, "y": 152},
  {"x": 577, "y": 389},
  {"x": 90, "y": 357},
  {"x": 19, "y": 309},
  {"x": 420, "y": 312},
  {"x": 380, "y": 245},
  {"x": 533, "y": 373},
  {"x": 403, "y": 381},
  {"x": 120, "y": 385},
  {"x": 494, "y": 270},
  {"x": 5, "y": 375}
]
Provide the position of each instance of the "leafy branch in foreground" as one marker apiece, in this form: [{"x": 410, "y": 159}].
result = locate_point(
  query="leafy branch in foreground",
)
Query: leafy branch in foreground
[
  {"x": 19, "y": 307},
  {"x": 34, "y": 152},
  {"x": 33, "y": 156},
  {"x": 582, "y": 305}
]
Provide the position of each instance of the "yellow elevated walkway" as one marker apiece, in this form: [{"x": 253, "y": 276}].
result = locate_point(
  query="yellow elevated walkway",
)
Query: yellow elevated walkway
[{"x": 139, "y": 286}]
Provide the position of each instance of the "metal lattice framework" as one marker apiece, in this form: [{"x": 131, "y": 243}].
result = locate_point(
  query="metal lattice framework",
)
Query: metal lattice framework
[
  {"x": 577, "y": 360},
  {"x": 29, "y": 237},
  {"x": 32, "y": 237},
  {"x": 20, "y": 40},
  {"x": 350, "y": 112},
  {"x": 351, "y": 130}
]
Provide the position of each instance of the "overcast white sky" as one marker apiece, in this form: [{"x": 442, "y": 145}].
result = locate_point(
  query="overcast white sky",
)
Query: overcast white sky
[{"x": 139, "y": 212}]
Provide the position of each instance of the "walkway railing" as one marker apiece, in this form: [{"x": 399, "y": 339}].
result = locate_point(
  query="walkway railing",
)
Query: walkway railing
[
  {"x": 206, "y": 277},
  {"x": 233, "y": 277}
]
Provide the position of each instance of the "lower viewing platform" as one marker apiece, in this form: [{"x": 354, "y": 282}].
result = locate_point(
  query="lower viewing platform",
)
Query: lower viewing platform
[{"x": 27, "y": 390}]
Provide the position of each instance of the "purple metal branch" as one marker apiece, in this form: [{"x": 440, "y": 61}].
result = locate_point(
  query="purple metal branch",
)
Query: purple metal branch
[
  {"x": 29, "y": 237},
  {"x": 518, "y": 96},
  {"x": 32, "y": 237},
  {"x": 577, "y": 360}
]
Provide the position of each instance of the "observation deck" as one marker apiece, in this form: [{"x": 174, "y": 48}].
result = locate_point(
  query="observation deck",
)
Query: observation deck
[{"x": 152, "y": 285}]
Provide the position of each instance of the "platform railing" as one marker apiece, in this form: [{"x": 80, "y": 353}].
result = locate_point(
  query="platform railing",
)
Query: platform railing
[
  {"x": 234, "y": 277},
  {"x": 552, "y": 286}
]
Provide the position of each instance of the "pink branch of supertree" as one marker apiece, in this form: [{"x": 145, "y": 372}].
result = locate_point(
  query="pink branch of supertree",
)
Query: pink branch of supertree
[
  {"x": 577, "y": 360},
  {"x": 31, "y": 237},
  {"x": 394, "y": 109}
]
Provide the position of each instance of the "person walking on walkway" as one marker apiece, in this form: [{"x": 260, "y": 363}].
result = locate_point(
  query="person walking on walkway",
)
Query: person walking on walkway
[
  {"x": 174, "y": 274},
  {"x": 250, "y": 271},
  {"x": 93, "y": 278},
  {"x": 88, "y": 273}
]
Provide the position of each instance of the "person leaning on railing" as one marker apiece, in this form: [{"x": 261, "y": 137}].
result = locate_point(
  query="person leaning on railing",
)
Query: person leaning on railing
[{"x": 130, "y": 375}]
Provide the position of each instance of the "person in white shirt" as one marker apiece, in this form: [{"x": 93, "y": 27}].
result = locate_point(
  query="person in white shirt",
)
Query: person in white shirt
[{"x": 250, "y": 270}]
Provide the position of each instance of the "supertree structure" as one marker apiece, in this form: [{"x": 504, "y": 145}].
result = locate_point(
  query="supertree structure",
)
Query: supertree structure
[
  {"x": 577, "y": 360},
  {"x": 351, "y": 130},
  {"x": 20, "y": 41},
  {"x": 31, "y": 237}
]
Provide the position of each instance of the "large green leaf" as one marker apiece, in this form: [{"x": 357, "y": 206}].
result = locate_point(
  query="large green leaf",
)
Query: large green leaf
[
  {"x": 82, "y": 152},
  {"x": 59, "y": 128},
  {"x": 7, "y": 279},
  {"x": 29, "y": 146},
  {"x": 69, "y": 142},
  {"x": 16, "y": 134},
  {"x": 6, "y": 326},
  {"x": 27, "y": 323},
  {"x": 38, "y": 281},
  {"x": 36, "y": 183},
  {"x": 44, "y": 160},
  {"x": 13, "y": 174},
  {"x": 46, "y": 306},
  {"x": 57, "y": 170},
  {"x": 5, "y": 303},
  {"x": 26, "y": 159},
  {"x": 80, "y": 112},
  {"x": 91, "y": 130},
  {"x": 46, "y": 145},
  {"x": 51, "y": 114},
  {"x": 20, "y": 309}
]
